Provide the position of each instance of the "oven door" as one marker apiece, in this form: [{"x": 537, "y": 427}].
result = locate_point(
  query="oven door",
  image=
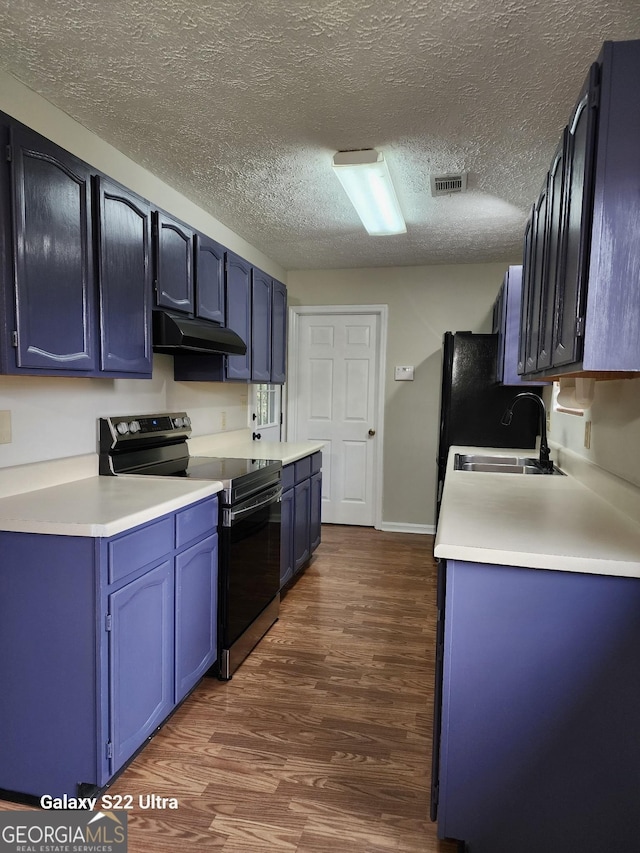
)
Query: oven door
[{"x": 249, "y": 575}]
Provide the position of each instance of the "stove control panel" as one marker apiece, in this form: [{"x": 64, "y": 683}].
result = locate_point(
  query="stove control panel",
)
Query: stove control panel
[{"x": 115, "y": 430}]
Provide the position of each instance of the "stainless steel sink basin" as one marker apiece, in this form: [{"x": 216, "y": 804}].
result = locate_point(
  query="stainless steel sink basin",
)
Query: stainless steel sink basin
[{"x": 501, "y": 464}]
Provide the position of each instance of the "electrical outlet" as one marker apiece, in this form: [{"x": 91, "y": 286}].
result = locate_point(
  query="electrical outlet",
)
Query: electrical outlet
[
  {"x": 587, "y": 434},
  {"x": 5, "y": 427},
  {"x": 223, "y": 420}
]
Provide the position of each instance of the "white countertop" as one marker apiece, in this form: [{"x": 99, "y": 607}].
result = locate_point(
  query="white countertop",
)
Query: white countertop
[
  {"x": 545, "y": 522},
  {"x": 99, "y": 506}
]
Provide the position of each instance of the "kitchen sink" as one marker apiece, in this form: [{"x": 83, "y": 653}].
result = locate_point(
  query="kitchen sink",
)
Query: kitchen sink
[{"x": 501, "y": 464}]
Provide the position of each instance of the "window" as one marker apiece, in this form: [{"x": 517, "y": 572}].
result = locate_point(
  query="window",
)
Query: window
[{"x": 267, "y": 406}]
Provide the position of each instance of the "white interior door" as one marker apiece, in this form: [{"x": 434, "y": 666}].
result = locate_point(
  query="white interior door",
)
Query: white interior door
[{"x": 335, "y": 398}]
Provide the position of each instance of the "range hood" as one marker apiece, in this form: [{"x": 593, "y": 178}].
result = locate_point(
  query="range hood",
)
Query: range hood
[{"x": 173, "y": 333}]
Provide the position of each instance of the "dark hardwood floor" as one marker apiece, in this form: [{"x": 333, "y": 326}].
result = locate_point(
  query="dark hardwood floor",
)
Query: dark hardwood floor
[{"x": 322, "y": 739}]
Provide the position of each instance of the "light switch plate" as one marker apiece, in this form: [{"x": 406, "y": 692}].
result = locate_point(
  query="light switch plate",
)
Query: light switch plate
[
  {"x": 404, "y": 373},
  {"x": 5, "y": 427}
]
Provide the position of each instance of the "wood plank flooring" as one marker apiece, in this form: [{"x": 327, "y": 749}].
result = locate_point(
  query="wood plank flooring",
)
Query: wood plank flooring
[{"x": 321, "y": 742}]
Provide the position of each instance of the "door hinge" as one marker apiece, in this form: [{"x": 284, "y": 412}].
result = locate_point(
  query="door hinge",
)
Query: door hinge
[
  {"x": 108, "y": 622},
  {"x": 579, "y": 327},
  {"x": 9, "y": 153},
  {"x": 109, "y": 750},
  {"x": 14, "y": 339},
  {"x": 281, "y": 419}
]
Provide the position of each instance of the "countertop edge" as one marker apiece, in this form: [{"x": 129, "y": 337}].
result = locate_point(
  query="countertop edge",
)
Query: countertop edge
[{"x": 115, "y": 525}]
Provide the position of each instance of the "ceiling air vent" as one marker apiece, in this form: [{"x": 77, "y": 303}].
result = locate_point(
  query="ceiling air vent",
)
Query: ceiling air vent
[{"x": 446, "y": 184}]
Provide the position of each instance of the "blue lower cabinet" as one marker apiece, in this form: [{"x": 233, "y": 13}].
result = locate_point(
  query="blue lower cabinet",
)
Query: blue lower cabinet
[
  {"x": 301, "y": 524},
  {"x": 196, "y": 602},
  {"x": 540, "y": 705},
  {"x": 141, "y": 655},
  {"x": 287, "y": 511},
  {"x": 315, "y": 510},
  {"x": 100, "y": 639},
  {"x": 49, "y": 729},
  {"x": 301, "y": 514}
]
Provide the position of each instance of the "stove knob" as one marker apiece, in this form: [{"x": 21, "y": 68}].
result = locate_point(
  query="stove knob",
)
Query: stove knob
[
  {"x": 186, "y": 422},
  {"x": 134, "y": 426},
  {"x": 178, "y": 422},
  {"x": 122, "y": 428}
]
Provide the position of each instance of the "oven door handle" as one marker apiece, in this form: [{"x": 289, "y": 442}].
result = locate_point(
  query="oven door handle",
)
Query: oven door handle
[{"x": 232, "y": 515}]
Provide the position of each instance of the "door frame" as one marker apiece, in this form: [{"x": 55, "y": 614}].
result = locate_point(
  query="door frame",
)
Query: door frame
[{"x": 288, "y": 406}]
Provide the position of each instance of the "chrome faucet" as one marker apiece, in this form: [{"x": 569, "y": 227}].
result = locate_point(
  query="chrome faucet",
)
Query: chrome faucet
[{"x": 545, "y": 462}]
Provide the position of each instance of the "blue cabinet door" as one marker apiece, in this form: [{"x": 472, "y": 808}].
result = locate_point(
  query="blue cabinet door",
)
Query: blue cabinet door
[
  {"x": 301, "y": 529},
  {"x": 260, "y": 327},
  {"x": 278, "y": 333},
  {"x": 141, "y": 659},
  {"x": 238, "y": 301},
  {"x": 553, "y": 265},
  {"x": 287, "y": 511},
  {"x": 53, "y": 256},
  {"x": 209, "y": 279},
  {"x": 576, "y": 225},
  {"x": 527, "y": 287},
  {"x": 315, "y": 512},
  {"x": 540, "y": 703},
  {"x": 537, "y": 276},
  {"x": 174, "y": 263},
  {"x": 124, "y": 277},
  {"x": 196, "y": 613}
]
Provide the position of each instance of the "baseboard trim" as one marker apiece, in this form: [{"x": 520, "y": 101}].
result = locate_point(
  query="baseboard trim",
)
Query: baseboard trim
[{"x": 400, "y": 527}]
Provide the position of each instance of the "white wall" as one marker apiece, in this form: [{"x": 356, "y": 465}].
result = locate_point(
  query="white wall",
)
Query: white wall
[
  {"x": 56, "y": 417},
  {"x": 615, "y": 429},
  {"x": 424, "y": 302}
]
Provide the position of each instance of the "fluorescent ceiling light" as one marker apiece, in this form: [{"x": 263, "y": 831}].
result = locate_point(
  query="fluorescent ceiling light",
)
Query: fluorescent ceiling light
[{"x": 366, "y": 180}]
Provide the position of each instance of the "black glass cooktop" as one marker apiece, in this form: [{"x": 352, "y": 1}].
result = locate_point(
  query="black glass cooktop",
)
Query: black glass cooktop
[{"x": 227, "y": 469}]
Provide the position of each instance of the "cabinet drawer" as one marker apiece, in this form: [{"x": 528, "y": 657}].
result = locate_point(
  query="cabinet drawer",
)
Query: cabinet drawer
[
  {"x": 143, "y": 546},
  {"x": 303, "y": 469},
  {"x": 288, "y": 477},
  {"x": 197, "y": 521},
  {"x": 316, "y": 462}
]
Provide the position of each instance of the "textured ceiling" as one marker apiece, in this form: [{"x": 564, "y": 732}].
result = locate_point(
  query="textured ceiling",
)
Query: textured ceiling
[{"x": 241, "y": 106}]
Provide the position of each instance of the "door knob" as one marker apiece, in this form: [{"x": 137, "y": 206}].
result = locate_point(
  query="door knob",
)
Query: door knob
[
  {"x": 372, "y": 432},
  {"x": 257, "y": 436}
]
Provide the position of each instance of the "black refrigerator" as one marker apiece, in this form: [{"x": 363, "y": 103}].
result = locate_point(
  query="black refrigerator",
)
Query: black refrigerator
[{"x": 472, "y": 402}]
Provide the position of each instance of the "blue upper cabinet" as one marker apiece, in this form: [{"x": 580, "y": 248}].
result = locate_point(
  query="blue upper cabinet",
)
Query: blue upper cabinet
[
  {"x": 124, "y": 278},
  {"x": 555, "y": 191},
  {"x": 53, "y": 257},
  {"x": 568, "y": 343},
  {"x": 278, "y": 333},
  {"x": 173, "y": 244},
  {"x": 587, "y": 318},
  {"x": 536, "y": 277},
  {"x": 76, "y": 275},
  {"x": 209, "y": 279},
  {"x": 256, "y": 309},
  {"x": 238, "y": 298},
  {"x": 506, "y": 324},
  {"x": 260, "y": 327}
]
